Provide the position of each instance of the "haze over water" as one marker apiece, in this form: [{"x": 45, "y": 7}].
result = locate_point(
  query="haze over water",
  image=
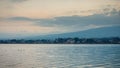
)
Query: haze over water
[{"x": 59, "y": 56}]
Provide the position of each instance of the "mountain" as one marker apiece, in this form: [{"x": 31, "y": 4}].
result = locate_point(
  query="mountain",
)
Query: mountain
[{"x": 102, "y": 32}]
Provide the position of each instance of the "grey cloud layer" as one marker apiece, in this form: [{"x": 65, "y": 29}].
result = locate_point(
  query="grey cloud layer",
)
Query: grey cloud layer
[
  {"x": 68, "y": 21},
  {"x": 18, "y": 0},
  {"x": 14, "y": 0},
  {"x": 78, "y": 21}
]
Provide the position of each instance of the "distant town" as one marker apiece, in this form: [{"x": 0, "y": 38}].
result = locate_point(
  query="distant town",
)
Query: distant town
[{"x": 111, "y": 40}]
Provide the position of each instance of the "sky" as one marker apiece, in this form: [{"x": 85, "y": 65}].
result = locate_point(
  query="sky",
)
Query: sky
[{"x": 41, "y": 17}]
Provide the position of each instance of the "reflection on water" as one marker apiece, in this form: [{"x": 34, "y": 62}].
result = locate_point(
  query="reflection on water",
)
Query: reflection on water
[{"x": 59, "y": 56}]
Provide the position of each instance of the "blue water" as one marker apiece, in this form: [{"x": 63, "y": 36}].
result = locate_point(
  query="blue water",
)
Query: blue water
[{"x": 59, "y": 56}]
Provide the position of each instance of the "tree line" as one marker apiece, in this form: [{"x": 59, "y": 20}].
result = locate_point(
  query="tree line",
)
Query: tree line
[{"x": 111, "y": 40}]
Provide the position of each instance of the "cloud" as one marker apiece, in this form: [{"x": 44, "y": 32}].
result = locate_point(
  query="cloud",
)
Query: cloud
[
  {"x": 107, "y": 15},
  {"x": 55, "y": 8},
  {"x": 19, "y": 19},
  {"x": 8, "y": 7},
  {"x": 17, "y": 0},
  {"x": 69, "y": 21},
  {"x": 97, "y": 19},
  {"x": 13, "y": 1},
  {"x": 107, "y": 10}
]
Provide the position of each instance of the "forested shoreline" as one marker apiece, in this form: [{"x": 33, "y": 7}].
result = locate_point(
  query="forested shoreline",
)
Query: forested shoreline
[{"x": 112, "y": 40}]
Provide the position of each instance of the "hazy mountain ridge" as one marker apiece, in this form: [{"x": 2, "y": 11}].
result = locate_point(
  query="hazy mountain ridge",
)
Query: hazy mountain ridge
[{"x": 113, "y": 31}]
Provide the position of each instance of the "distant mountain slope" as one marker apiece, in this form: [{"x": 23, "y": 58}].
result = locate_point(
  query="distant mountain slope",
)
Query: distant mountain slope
[{"x": 91, "y": 33}]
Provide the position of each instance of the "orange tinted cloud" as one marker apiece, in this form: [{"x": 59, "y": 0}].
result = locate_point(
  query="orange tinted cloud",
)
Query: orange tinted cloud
[{"x": 53, "y": 8}]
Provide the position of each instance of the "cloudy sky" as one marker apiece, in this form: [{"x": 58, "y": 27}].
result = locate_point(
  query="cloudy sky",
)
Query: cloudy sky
[{"x": 33, "y": 17}]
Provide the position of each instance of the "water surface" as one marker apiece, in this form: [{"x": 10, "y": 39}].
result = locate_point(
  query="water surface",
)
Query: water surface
[{"x": 59, "y": 56}]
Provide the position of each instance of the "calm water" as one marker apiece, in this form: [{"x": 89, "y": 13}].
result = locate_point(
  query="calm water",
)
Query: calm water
[{"x": 59, "y": 56}]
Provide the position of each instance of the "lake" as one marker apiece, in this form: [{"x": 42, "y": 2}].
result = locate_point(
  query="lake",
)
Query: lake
[{"x": 59, "y": 56}]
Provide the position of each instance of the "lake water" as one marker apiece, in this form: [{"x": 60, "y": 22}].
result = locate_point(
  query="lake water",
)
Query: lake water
[{"x": 59, "y": 56}]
